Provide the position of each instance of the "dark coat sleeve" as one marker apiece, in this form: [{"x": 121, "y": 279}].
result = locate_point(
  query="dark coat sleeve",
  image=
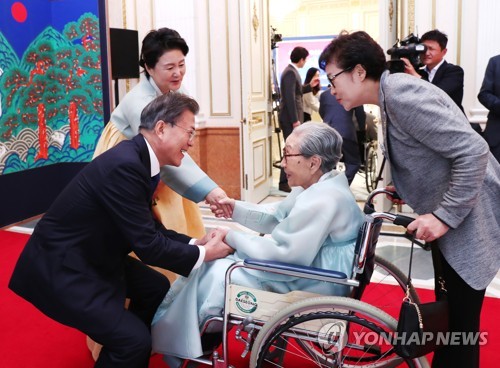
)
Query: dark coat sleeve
[
  {"x": 489, "y": 95},
  {"x": 450, "y": 78},
  {"x": 288, "y": 82},
  {"x": 128, "y": 206}
]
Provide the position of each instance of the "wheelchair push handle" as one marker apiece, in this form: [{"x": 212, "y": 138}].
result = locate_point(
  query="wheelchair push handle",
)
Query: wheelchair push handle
[
  {"x": 369, "y": 207},
  {"x": 376, "y": 192},
  {"x": 403, "y": 220}
]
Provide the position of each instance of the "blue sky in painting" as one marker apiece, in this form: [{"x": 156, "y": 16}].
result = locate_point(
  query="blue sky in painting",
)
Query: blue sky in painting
[{"x": 40, "y": 15}]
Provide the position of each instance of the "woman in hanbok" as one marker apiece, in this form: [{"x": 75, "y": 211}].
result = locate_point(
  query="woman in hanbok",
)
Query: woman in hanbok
[
  {"x": 315, "y": 225},
  {"x": 163, "y": 54}
]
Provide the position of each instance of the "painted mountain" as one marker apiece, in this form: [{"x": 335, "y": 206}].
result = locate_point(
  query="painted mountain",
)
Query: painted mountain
[{"x": 51, "y": 106}]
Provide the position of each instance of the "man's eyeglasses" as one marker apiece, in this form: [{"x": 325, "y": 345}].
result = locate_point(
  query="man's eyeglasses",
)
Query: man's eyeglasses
[
  {"x": 191, "y": 132},
  {"x": 285, "y": 155},
  {"x": 331, "y": 78}
]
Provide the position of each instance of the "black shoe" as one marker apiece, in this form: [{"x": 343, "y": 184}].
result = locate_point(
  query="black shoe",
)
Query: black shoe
[
  {"x": 284, "y": 187},
  {"x": 210, "y": 341}
]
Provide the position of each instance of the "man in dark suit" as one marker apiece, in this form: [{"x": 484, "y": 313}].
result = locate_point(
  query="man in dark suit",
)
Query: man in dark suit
[
  {"x": 489, "y": 96},
  {"x": 291, "y": 110},
  {"x": 334, "y": 114},
  {"x": 448, "y": 77},
  {"x": 76, "y": 266}
]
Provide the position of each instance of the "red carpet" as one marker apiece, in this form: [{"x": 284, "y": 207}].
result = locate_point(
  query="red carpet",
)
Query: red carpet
[{"x": 30, "y": 339}]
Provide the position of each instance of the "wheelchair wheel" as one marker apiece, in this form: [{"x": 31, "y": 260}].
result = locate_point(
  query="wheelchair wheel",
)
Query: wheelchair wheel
[
  {"x": 381, "y": 292},
  {"x": 371, "y": 162},
  {"x": 328, "y": 332}
]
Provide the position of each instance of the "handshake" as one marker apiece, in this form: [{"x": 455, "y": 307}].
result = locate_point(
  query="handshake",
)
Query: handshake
[{"x": 214, "y": 241}]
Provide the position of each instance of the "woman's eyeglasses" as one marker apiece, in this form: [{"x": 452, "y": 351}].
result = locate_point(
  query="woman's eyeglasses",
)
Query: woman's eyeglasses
[
  {"x": 285, "y": 155},
  {"x": 331, "y": 78}
]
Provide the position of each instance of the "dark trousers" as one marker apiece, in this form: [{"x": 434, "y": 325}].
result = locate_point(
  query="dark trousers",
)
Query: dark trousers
[
  {"x": 495, "y": 150},
  {"x": 350, "y": 156},
  {"x": 286, "y": 129},
  {"x": 465, "y": 310},
  {"x": 128, "y": 344}
]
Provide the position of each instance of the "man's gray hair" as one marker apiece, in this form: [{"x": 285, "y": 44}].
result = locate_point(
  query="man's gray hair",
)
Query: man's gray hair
[
  {"x": 167, "y": 107},
  {"x": 321, "y": 140}
]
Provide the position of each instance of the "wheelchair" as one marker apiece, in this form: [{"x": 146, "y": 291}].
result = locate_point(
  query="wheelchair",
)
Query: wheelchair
[
  {"x": 313, "y": 330},
  {"x": 372, "y": 177}
]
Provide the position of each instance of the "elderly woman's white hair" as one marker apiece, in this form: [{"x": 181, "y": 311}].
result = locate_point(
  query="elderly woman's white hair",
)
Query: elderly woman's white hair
[{"x": 320, "y": 139}]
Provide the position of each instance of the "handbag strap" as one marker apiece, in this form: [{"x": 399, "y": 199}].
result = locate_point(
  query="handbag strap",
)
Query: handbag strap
[
  {"x": 408, "y": 282},
  {"x": 437, "y": 266}
]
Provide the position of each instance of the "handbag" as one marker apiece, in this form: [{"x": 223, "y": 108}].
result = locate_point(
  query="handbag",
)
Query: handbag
[{"x": 422, "y": 327}]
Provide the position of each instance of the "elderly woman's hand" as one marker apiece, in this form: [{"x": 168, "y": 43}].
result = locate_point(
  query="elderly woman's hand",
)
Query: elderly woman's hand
[
  {"x": 223, "y": 208},
  {"x": 213, "y": 199}
]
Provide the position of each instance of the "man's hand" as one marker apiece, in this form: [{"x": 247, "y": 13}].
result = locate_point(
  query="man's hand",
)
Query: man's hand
[
  {"x": 213, "y": 199},
  {"x": 211, "y": 234},
  {"x": 296, "y": 124},
  {"x": 224, "y": 206},
  {"x": 427, "y": 227},
  {"x": 216, "y": 248},
  {"x": 409, "y": 69}
]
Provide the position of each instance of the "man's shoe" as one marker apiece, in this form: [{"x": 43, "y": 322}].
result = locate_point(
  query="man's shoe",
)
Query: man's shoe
[{"x": 284, "y": 187}]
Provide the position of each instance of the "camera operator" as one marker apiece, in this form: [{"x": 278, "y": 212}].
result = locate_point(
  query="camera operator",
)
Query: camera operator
[{"x": 448, "y": 77}]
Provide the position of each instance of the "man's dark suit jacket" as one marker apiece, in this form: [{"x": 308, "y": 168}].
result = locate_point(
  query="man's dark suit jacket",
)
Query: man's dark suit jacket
[
  {"x": 489, "y": 96},
  {"x": 450, "y": 78},
  {"x": 334, "y": 114},
  {"x": 291, "y": 107},
  {"x": 72, "y": 267}
]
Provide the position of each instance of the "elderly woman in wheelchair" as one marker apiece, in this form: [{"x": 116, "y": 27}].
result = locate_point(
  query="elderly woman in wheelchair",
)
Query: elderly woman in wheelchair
[{"x": 316, "y": 225}]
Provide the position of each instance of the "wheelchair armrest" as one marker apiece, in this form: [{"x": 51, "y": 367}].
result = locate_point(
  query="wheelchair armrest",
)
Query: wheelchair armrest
[{"x": 294, "y": 270}]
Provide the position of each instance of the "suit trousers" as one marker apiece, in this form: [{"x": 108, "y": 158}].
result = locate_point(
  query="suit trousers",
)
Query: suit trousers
[
  {"x": 351, "y": 159},
  {"x": 128, "y": 344},
  {"x": 495, "y": 150},
  {"x": 465, "y": 305},
  {"x": 287, "y": 129}
]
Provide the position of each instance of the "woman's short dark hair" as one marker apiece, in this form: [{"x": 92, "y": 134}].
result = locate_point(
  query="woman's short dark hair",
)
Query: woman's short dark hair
[
  {"x": 156, "y": 43},
  {"x": 350, "y": 49},
  {"x": 167, "y": 107}
]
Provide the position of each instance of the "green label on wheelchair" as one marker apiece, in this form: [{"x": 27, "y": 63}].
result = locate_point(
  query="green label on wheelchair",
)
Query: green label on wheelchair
[{"x": 246, "y": 302}]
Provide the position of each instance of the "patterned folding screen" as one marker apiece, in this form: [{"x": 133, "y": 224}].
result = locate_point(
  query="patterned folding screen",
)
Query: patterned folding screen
[{"x": 53, "y": 98}]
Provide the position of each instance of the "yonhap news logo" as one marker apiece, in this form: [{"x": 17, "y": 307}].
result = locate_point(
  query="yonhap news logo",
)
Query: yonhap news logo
[{"x": 440, "y": 338}]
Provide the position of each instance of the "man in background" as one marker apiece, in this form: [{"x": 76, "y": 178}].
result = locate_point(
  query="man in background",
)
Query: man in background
[
  {"x": 334, "y": 114},
  {"x": 447, "y": 76},
  {"x": 291, "y": 110},
  {"x": 489, "y": 96}
]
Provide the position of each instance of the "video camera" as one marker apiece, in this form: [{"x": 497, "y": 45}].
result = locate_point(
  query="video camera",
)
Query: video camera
[
  {"x": 410, "y": 48},
  {"x": 275, "y": 38}
]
